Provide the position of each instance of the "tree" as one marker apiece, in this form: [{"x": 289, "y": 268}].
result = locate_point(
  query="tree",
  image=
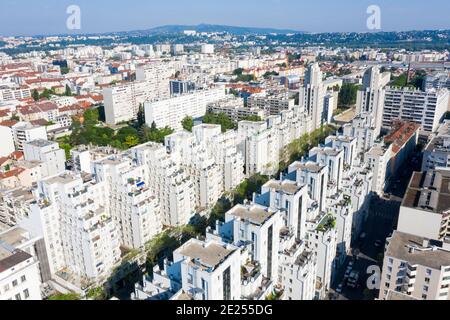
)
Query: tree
[
  {"x": 68, "y": 92},
  {"x": 35, "y": 95},
  {"x": 348, "y": 95},
  {"x": 131, "y": 141},
  {"x": 252, "y": 118},
  {"x": 188, "y": 123},
  {"x": 91, "y": 117},
  {"x": 141, "y": 115}
]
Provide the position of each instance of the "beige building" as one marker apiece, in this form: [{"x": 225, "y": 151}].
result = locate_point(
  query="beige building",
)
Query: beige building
[{"x": 417, "y": 267}]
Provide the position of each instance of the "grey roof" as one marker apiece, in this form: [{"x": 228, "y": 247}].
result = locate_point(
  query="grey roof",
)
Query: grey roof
[
  {"x": 41, "y": 143},
  {"x": 209, "y": 255},
  {"x": 254, "y": 214},
  {"x": 429, "y": 191},
  {"x": 400, "y": 246},
  {"x": 286, "y": 186},
  {"x": 397, "y": 296}
]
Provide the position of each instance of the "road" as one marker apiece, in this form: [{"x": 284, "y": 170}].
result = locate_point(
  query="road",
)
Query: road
[{"x": 382, "y": 220}]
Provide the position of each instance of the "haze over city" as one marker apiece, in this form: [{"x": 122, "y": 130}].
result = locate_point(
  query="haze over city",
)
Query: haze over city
[{"x": 100, "y": 16}]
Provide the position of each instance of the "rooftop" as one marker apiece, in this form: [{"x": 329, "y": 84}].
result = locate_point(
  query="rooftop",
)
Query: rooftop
[
  {"x": 208, "y": 254},
  {"x": 429, "y": 191},
  {"x": 402, "y": 133},
  {"x": 418, "y": 251},
  {"x": 309, "y": 166},
  {"x": 41, "y": 143},
  {"x": 255, "y": 214},
  {"x": 397, "y": 296},
  {"x": 285, "y": 186}
]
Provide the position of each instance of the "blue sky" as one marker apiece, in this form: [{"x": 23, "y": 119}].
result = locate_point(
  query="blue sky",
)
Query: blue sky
[{"x": 30, "y": 17}]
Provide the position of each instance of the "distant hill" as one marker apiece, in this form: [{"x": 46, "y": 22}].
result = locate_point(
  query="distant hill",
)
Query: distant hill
[{"x": 170, "y": 29}]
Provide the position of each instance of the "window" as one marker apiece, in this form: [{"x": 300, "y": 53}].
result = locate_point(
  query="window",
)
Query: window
[
  {"x": 26, "y": 293},
  {"x": 6, "y": 287},
  {"x": 425, "y": 288},
  {"x": 18, "y": 297},
  {"x": 429, "y": 272},
  {"x": 14, "y": 283},
  {"x": 424, "y": 297},
  {"x": 427, "y": 280},
  {"x": 23, "y": 278}
]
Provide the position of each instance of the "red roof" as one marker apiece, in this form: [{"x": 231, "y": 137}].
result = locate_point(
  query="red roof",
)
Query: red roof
[
  {"x": 12, "y": 173},
  {"x": 8, "y": 123}
]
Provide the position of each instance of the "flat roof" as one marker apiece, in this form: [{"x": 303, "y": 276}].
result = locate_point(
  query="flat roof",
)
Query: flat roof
[
  {"x": 399, "y": 247},
  {"x": 286, "y": 186},
  {"x": 397, "y": 296},
  {"x": 209, "y": 254},
  {"x": 429, "y": 191},
  {"x": 13, "y": 237},
  {"x": 41, "y": 143},
  {"x": 310, "y": 166},
  {"x": 255, "y": 214}
]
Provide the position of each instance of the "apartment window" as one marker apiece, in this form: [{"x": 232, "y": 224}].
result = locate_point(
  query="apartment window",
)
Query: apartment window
[
  {"x": 18, "y": 297},
  {"x": 227, "y": 284},
  {"x": 15, "y": 283},
  {"x": 26, "y": 293},
  {"x": 427, "y": 280},
  {"x": 23, "y": 278},
  {"x": 424, "y": 297},
  {"x": 429, "y": 272},
  {"x": 425, "y": 288},
  {"x": 6, "y": 287}
]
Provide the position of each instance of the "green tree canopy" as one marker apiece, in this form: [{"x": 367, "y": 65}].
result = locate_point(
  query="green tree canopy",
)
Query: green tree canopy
[{"x": 188, "y": 123}]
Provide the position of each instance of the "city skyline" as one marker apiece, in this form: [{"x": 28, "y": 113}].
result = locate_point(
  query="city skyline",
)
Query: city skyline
[{"x": 318, "y": 17}]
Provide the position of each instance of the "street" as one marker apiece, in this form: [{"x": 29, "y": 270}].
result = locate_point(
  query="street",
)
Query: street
[{"x": 368, "y": 250}]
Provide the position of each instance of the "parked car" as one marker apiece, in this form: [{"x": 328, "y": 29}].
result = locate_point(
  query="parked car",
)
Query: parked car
[{"x": 378, "y": 243}]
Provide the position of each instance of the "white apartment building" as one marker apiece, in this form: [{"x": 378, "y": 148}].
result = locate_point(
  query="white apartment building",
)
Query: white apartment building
[
  {"x": 334, "y": 159},
  {"x": 81, "y": 240},
  {"x": 312, "y": 95},
  {"x": 223, "y": 148},
  {"x": 362, "y": 129},
  {"x": 203, "y": 170},
  {"x": 378, "y": 159},
  {"x": 169, "y": 182},
  {"x": 425, "y": 209},
  {"x": 20, "y": 277},
  {"x": 257, "y": 228},
  {"x": 207, "y": 48},
  {"x": 52, "y": 159},
  {"x": 7, "y": 143},
  {"x": 292, "y": 199},
  {"x": 209, "y": 270},
  {"x": 347, "y": 144},
  {"x": 10, "y": 94},
  {"x": 260, "y": 145},
  {"x": 417, "y": 267},
  {"x": 25, "y": 132},
  {"x": 437, "y": 152},
  {"x": 130, "y": 202},
  {"x": 271, "y": 103},
  {"x": 171, "y": 112},
  {"x": 322, "y": 240},
  {"x": 122, "y": 101},
  {"x": 234, "y": 108},
  {"x": 370, "y": 99},
  {"x": 315, "y": 176},
  {"x": 422, "y": 107}
]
